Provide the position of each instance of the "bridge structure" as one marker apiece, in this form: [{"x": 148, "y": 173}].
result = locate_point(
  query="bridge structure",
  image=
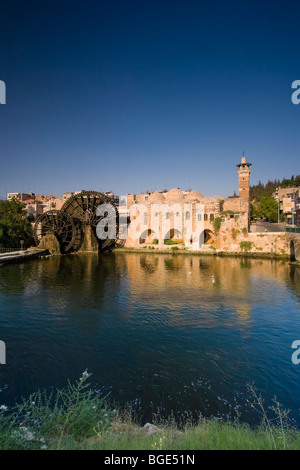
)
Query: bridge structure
[{"x": 73, "y": 227}]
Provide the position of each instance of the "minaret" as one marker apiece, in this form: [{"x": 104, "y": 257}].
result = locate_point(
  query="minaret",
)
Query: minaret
[{"x": 244, "y": 170}]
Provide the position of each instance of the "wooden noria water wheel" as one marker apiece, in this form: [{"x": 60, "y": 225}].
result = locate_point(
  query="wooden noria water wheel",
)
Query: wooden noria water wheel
[
  {"x": 58, "y": 224},
  {"x": 68, "y": 224}
]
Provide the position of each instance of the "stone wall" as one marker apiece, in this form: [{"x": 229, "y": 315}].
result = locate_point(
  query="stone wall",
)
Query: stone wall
[
  {"x": 276, "y": 243},
  {"x": 233, "y": 229},
  {"x": 293, "y": 240},
  {"x": 236, "y": 204}
]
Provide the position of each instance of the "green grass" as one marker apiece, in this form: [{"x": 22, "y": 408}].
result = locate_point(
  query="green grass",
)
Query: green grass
[
  {"x": 173, "y": 242},
  {"x": 77, "y": 418},
  {"x": 208, "y": 435}
]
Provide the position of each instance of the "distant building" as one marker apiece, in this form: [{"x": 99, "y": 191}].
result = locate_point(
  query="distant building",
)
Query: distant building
[
  {"x": 21, "y": 196},
  {"x": 37, "y": 204},
  {"x": 289, "y": 204},
  {"x": 296, "y": 208},
  {"x": 34, "y": 208}
]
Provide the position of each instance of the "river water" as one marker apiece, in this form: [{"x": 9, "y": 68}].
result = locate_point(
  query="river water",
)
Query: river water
[{"x": 181, "y": 333}]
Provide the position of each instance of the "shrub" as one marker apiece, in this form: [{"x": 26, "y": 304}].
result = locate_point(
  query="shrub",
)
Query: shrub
[
  {"x": 246, "y": 246},
  {"x": 217, "y": 223},
  {"x": 155, "y": 241},
  {"x": 174, "y": 248},
  {"x": 64, "y": 413},
  {"x": 229, "y": 212},
  {"x": 234, "y": 233}
]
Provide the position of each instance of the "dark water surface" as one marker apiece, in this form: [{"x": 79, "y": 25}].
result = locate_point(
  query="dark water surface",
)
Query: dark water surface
[{"x": 183, "y": 333}]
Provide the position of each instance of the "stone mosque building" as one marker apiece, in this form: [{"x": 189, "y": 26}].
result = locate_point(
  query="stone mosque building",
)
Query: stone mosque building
[{"x": 189, "y": 219}]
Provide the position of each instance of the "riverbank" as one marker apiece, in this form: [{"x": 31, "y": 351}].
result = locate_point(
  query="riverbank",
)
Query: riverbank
[
  {"x": 229, "y": 254},
  {"x": 32, "y": 253},
  {"x": 77, "y": 418},
  {"x": 207, "y": 435}
]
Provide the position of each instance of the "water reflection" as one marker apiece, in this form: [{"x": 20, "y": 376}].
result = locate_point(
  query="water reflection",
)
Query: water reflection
[
  {"x": 181, "y": 332},
  {"x": 219, "y": 272}
]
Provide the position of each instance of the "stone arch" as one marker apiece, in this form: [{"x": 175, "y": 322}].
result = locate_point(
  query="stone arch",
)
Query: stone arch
[
  {"x": 209, "y": 236},
  {"x": 147, "y": 237},
  {"x": 173, "y": 234}
]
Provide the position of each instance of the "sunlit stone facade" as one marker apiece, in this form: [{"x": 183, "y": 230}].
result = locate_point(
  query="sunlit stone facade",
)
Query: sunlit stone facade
[{"x": 187, "y": 219}]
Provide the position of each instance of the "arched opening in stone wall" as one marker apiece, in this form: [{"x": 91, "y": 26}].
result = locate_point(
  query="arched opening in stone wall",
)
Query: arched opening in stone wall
[
  {"x": 174, "y": 235},
  {"x": 292, "y": 250},
  {"x": 208, "y": 236},
  {"x": 200, "y": 240},
  {"x": 147, "y": 237}
]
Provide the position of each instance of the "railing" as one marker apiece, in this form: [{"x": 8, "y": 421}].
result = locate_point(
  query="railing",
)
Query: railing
[
  {"x": 292, "y": 229},
  {"x": 9, "y": 250}
]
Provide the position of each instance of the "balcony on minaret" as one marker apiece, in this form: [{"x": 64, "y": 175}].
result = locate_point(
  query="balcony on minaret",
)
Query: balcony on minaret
[{"x": 244, "y": 165}]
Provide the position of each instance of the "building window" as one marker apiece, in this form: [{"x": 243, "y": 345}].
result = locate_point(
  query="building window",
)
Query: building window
[
  {"x": 167, "y": 215},
  {"x": 211, "y": 217},
  {"x": 199, "y": 217},
  {"x": 205, "y": 217},
  {"x": 187, "y": 215}
]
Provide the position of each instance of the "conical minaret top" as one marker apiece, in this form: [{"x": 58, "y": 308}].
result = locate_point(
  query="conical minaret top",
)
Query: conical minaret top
[{"x": 244, "y": 170}]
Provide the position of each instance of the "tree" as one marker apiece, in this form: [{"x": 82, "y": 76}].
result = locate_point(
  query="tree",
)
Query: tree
[
  {"x": 14, "y": 225},
  {"x": 269, "y": 188},
  {"x": 268, "y": 207},
  {"x": 255, "y": 211}
]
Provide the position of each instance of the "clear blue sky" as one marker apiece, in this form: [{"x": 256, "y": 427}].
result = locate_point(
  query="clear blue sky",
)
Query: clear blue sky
[{"x": 136, "y": 95}]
